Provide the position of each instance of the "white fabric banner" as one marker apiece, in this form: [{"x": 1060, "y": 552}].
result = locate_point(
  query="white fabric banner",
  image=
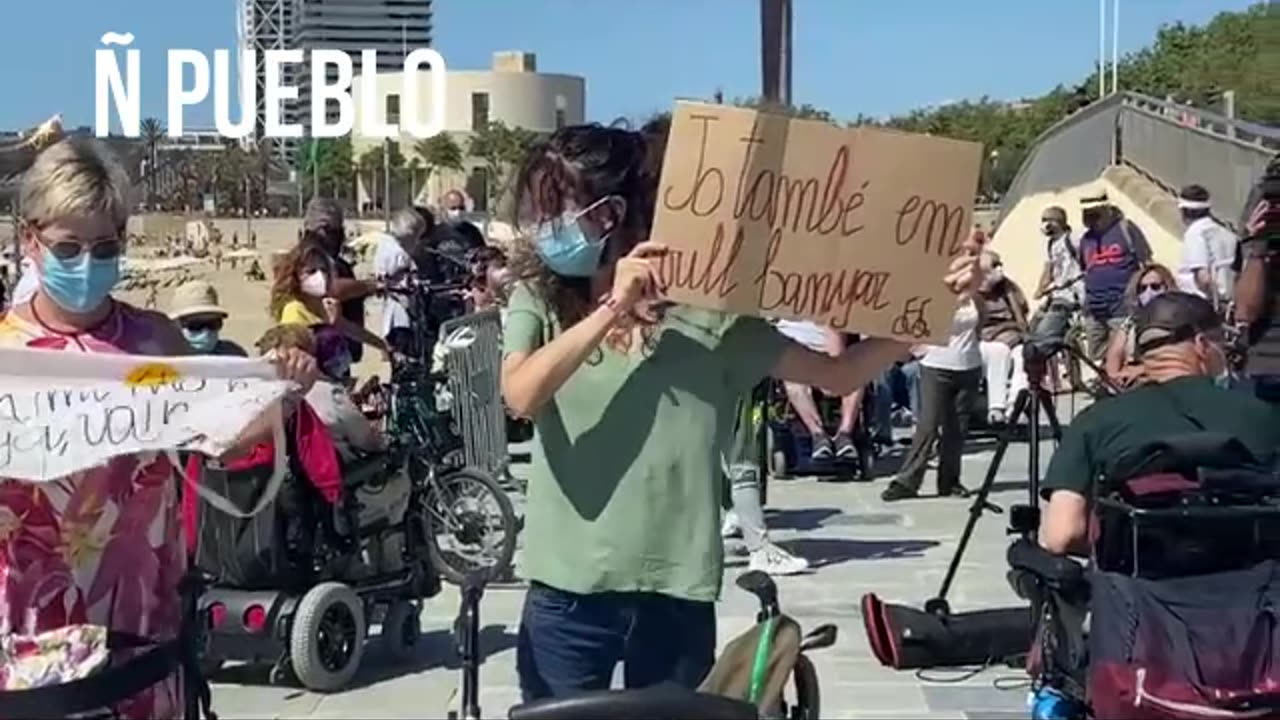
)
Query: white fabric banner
[{"x": 63, "y": 412}]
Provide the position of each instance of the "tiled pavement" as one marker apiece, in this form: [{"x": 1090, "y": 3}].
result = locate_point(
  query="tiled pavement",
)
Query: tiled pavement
[{"x": 856, "y": 543}]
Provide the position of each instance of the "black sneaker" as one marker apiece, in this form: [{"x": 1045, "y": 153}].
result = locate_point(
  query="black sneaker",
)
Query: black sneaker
[
  {"x": 844, "y": 446},
  {"x": 822, "y": 448},
  {"x": 897, "y": 491}
]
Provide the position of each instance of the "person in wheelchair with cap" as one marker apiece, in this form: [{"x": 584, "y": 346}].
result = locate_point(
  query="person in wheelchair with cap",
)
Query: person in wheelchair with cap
[
  {"x": 1179, "y": 342},
  {"x": 1169, "y": 490}
]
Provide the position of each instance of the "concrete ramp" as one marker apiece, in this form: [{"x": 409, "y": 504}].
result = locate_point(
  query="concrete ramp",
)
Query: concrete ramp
[{"x": 1150, "y": 206}]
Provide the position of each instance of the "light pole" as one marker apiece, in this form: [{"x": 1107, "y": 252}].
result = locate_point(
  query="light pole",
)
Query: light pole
[
  {"x": 1102, "y": 49},
  {"x": 1115, "y": 46},
  {"x": 386, "y": 185},
  {"x": 775, "y": 51}
]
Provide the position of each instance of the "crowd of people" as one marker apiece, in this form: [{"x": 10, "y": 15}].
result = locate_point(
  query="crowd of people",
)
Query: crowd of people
[{"x": 644, "y": 412}]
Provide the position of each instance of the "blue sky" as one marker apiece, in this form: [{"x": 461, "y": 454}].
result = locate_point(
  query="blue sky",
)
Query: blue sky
[{"x": 870, "y": 56}]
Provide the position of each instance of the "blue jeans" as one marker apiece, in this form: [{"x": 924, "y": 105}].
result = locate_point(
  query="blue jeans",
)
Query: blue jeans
[
  {"x": 900, "y": 382},
  {"x": 570, "y": 643}
]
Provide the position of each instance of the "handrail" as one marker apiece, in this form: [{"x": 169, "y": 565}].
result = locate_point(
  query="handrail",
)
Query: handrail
[
  {"x": 1263, "y": 135},
  {"x": 1244, "y": 134}
]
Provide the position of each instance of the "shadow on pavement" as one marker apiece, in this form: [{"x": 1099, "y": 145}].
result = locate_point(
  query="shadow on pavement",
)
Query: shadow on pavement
[
  {"x": 799, "y": 519},
  {"x": 436, "y": 649},
  {"x": 822, "y": 552}
]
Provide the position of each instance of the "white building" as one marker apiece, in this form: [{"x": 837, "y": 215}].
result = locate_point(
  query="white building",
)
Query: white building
[{"x": 512, "y": 92}]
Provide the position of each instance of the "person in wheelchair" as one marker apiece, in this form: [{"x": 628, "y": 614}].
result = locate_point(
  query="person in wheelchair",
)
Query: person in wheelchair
[
  {"x": 351, "y": 431},
  {"x": 823, "y": 340},
  {"x": 1179, "y": 342}
]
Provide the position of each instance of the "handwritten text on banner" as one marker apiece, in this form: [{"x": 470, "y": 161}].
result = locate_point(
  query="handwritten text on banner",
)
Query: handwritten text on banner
[
  {"x": 64, "y": 412},
  {"x": 852, "y": 228}
]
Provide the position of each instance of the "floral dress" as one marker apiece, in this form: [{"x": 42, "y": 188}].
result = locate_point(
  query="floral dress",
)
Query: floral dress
[{"x": 100, "y": 547}]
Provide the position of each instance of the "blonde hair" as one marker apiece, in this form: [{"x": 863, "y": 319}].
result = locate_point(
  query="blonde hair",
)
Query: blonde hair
[{"x": 75, "y": 177}]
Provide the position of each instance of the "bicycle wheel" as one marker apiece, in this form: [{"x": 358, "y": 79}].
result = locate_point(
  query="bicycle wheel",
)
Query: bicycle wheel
[
  {"x": 808, "y": 701},
  {"x": 472, "y": 525}
]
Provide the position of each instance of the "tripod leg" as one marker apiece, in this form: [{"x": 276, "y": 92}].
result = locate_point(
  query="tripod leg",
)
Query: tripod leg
[
  {"x": 1051, "y": 414},
  {"x": 938, "y": 605}
]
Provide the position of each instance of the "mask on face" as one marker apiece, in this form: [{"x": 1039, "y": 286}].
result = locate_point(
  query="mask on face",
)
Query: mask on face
[
  {"x": 565, "y": 248},
  {"x": 203, "y": 340},
  {"x": 80, "y": 284},
  {"x": 315, "y": 284},
  {"x": 453, "y": 214},
  {"x": 1147, "y": 296},
  {"x": 1048, "y": 229}
]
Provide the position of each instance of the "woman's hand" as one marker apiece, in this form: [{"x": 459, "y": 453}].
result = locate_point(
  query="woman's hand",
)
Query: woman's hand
[
  {"x": 1257, "y": 219},
  {"x": 636, "y": 278},
  {"x": 964, "y": 277},
  {"x": 295, "y": 366},
  {"x": 332, "y": 310}
]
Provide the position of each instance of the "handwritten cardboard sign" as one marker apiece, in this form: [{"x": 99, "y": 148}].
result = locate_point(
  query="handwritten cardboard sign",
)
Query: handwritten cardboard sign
[
  {"x": 852, "y": 228},
  {"x": 63, "y": 412}
]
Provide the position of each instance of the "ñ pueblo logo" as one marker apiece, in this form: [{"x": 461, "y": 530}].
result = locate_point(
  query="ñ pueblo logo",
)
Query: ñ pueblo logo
[{"x": 124, "y": 91}]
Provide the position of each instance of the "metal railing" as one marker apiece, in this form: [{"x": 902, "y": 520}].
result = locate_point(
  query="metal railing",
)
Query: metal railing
[
  {"x": 475, "y": 386},
  {"x": 1172, "y": 144}
]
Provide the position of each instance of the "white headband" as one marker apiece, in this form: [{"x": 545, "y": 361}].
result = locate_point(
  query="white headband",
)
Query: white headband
[{"x": 1194, "y": 204}]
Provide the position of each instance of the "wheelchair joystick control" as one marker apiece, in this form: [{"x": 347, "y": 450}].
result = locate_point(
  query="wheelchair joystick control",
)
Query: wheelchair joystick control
[
  {"x": 1024, "y": 520},
  {"x": 1048, "y": 703}
]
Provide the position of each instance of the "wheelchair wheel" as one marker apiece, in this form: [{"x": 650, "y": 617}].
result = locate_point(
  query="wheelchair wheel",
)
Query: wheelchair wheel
[
  {"x": 808, "y": 701},
  {"x": 472, "y": 525},
  {"x": 401, "y": 631},
  {"x": 326, "y": 641}
]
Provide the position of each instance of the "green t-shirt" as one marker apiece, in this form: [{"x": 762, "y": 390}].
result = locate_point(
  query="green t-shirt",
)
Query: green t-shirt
[
  {"x": 1106, "y": 431},
  {"x": 624, "y": 482}
]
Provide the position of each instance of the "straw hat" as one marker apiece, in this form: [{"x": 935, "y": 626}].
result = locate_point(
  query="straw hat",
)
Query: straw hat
[{"x": 195, "y": 297}]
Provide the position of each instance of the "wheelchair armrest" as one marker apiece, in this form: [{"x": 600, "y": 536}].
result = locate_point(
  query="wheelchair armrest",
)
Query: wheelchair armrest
[
  {"x": 1056, "y": 571},
  {"x": 656, "y": 703}
]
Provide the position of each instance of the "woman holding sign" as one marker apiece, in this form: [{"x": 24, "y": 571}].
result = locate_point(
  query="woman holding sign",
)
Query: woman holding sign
[
  {"x": 101, "y": 548},
  {"x": 631, "y": 407}
]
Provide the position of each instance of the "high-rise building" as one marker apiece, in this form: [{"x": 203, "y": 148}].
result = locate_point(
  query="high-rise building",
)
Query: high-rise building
[
  {"x": 393, "y": 28},
  {"x": 263, "y": 25}
]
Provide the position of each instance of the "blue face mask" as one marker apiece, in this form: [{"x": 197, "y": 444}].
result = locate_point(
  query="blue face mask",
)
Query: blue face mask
[
  {"x": 565, "y": 248},
  {"x": 81, "y": 284},
  {"x": 202, "y": 341}
]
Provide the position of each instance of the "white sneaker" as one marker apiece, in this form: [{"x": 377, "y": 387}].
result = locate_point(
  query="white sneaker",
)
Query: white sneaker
[
  {"x": 730, "y": 528},
  {"x": 773, "y": 560}
]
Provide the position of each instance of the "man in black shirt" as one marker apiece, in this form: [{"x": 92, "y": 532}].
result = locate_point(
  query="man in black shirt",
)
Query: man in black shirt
[
  {"x": 451, "y": 242},
  {"x": 323, "y": 225},
  {"x": 1179, "y": 339}
]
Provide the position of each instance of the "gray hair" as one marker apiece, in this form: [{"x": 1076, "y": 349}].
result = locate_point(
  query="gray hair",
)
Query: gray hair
[
  {"x": 75, "y": 177},
  {"x": 407, "y": 225}
]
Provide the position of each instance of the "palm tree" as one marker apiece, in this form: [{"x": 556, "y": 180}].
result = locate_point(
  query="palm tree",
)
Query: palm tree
[
  {"x": 152, "y": 134},
  {"x": 439, "y": 152}
]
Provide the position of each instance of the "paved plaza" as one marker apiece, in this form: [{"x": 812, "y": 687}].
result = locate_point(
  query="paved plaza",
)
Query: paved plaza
[{"x": 856, "y": 543}]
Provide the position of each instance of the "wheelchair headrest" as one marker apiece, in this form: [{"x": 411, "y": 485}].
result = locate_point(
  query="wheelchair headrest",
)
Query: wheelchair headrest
[{"x": 1187, "y": 454}]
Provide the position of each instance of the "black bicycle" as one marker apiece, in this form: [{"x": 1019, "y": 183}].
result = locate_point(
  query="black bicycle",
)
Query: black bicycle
[{"x": 472, "y": 525}]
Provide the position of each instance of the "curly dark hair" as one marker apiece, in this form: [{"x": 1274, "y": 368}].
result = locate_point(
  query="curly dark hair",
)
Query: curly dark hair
[
  {"x": 583, "y": 163},
  {"x": 306, "y": 255}
]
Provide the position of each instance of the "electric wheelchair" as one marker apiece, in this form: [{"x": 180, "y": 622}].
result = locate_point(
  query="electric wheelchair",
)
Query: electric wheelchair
[{"x": 1180, "y": 594}]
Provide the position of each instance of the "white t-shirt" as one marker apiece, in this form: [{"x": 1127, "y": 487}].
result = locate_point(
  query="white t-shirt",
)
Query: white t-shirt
[
  {"x": 389, "y": 261},
  {"x": 806, "y": 332},
  {"x": 962, "y": 352},
  {"x": 27, "y": 284},
  {"x": 1208, "y": 245}
]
